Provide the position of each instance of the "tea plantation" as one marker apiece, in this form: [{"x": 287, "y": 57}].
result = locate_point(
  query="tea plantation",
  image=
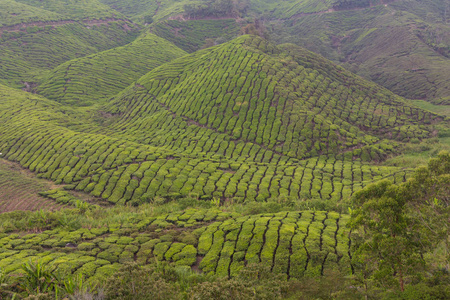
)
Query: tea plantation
[
  {"x": 104, "y": 74},
  {"x": 154, "y": 146},
  {"x": 197, "y": 127},
  {"x": 296, "y": 244},
  {"x": 192, "y": 35}
]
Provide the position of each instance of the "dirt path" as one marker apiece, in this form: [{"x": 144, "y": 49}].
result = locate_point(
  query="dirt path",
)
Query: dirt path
[{"x": 23, "y": 26}]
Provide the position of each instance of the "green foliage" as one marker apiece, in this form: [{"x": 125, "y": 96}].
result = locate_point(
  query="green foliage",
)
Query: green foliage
[
  {"x": 99, "y": 76},
  {"x": 86, "y": 9},
  {"x": 392, "y": 234},
  {"x": 412, "y": 65},
  {"x": 211, "y": 8},
  {"x": 133, "y": 282},
  {"x": 38, "y": 279},
  {"x": 191, "y": 35},
  {"x": 110, "y": 158},
  {"x": 52, "y": 44}
]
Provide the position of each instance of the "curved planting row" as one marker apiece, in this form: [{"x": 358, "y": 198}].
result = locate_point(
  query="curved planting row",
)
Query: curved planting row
[
  {"x": 104, "y": 74},
  {"x": 121, "y": 171},
  {"x": 23, "y": 54},
  {"x": 98, "y": 252},
  {"x": 191, "y": 35},
  {"x": 296, "y": 244},
  {"x": 86, "y": 9},
  {"x": 241, "y": 95},
  {"x": 12, "y": 13}
]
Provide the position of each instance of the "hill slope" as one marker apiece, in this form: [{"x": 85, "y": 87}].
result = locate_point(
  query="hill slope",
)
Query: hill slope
[
  {"x": 34, "y": 40},
  {"x": 75, "y": 9},
  {"x": 12, "y": 13},
  {"x": 397, "y": 45},
  {"x": 402, "y": 45},
  {"x": 102, "y": 75},
  {"x": 286, "y": 100},
  {"x": 245, "y": 121}
]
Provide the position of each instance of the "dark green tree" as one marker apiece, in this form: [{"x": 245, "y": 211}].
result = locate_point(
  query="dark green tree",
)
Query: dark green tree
[{"x": 395, "y": 225}]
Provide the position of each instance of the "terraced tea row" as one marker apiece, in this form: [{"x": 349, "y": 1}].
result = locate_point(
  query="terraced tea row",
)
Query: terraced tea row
[
  {"x": 191, "y": 35},
  {"x": 86, "y": 9},
  {"x": 121, "y": 171},
  {"x": 12, "y": 13},
  {"x": 98, "y": 252},
  {"x": 26, "y": 55},
  {"x": 96, "y": 77},
  {"x": 237, "y": 141},
  {"x": 281, "y": 101},
  {"x": 297, "y": 244}
]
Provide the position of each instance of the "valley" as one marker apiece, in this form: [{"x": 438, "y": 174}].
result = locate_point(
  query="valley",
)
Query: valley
[{"x": 185, "y": 146}]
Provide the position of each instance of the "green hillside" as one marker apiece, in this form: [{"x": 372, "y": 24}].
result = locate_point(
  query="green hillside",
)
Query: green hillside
[
  {"x": 304, "y": 93},
  {"x": 76, "y": 9},
  {"x": 192, "y": 35},
  {"x": 12, "y": 13},
  {"x": 37, "y": 36},
  {"x": 402, "y": 45},
  {"x": 98, "y": 76},
  {"x": 25, "y": 54},
  {"x": 141, "y": 10},
  {"x": 296, "y": 244},
  {"x": 395, "y": 45},
  {"x": 198, "y": 149},
  {"x": 170, "y": 136}
]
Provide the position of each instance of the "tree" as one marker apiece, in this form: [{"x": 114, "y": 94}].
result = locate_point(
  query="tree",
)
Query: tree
[{"x": 395, "y": 225}]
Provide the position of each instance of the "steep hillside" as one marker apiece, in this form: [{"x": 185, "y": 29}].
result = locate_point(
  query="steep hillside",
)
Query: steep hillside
[
  {"x": 402, "y": 45},
  {"x": 286, "y": 100},
  {"x": 12, "y": 13},
  {"x": 36, "y": 36},
  {"x": 28, "y": 52},
  {"x": 75, "y": 9},
  {"x": 396, "y": 45},
  {"x": 192, "y": 35},
  {"x": 102, "y": 75},
  {"x": 245, "y": 121}
]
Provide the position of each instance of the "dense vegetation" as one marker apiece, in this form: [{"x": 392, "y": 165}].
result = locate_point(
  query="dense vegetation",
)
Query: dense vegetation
[
  {"x": 91, "y": 244},
  {"x": 26, "y": 53},
  {"x": 104, "y": 74},
  {"x": 410, "y": 62},
  {"x": 144, "y": 148},
  {"x": 193, "y": 35},
  {"x": 194, "y": 150}
]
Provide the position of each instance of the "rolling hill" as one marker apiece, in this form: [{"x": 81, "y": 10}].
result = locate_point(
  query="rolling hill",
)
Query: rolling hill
[
  {"x": 75, "y": 9},
  {"x": 388, "y": 44},
  {"x": 34, "y": 40},
  {"x": 98, "y": 76},
  {"x": 179, "y": 141},
  {"x": 402, "y": 45},
  {"x": 245, "y": 120}
]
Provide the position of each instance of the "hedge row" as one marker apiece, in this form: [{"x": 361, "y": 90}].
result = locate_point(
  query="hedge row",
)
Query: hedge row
[
  {"x": 296, "y": 243},
  {"x": 102, "y": 75}
]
